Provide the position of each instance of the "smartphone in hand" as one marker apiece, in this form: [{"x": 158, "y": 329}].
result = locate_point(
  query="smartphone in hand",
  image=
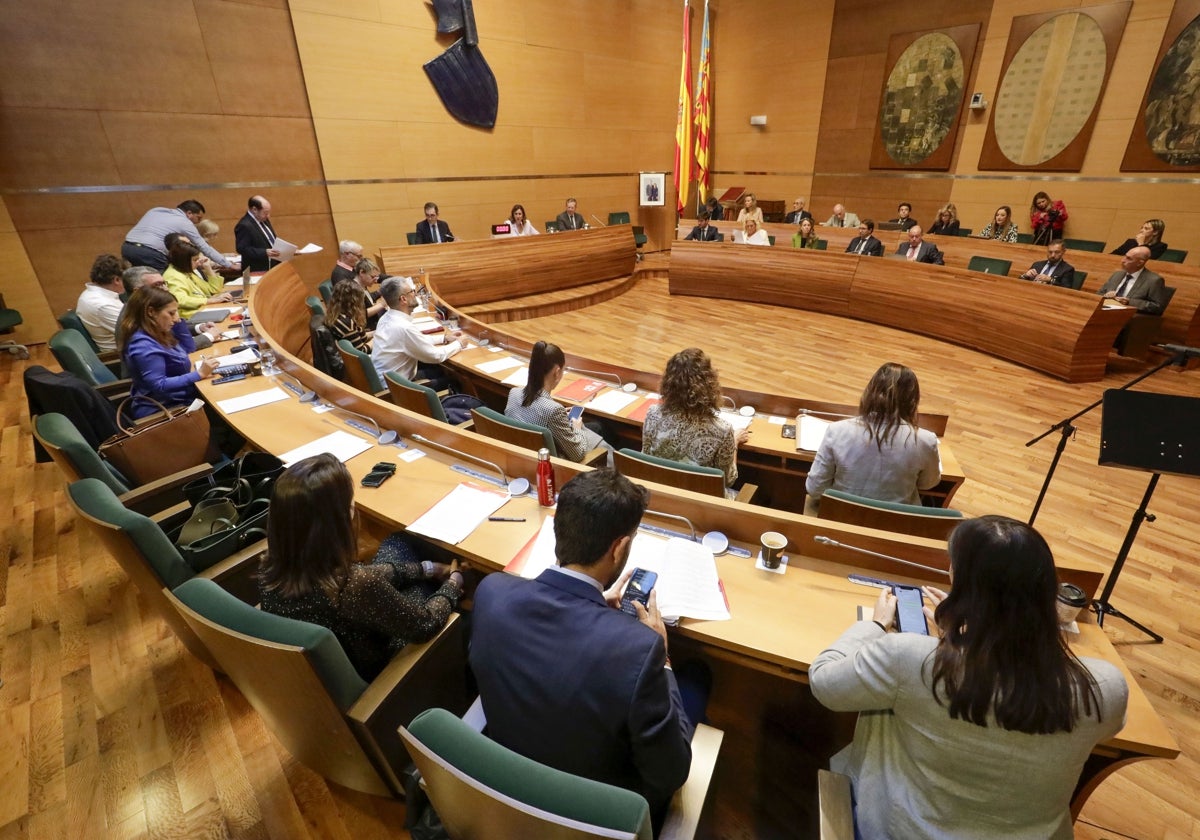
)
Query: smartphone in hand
[{"x": 639, "y": 587}]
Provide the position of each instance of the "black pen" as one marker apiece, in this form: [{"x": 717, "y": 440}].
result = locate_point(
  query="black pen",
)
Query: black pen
[{"x": 506, "y": 519}]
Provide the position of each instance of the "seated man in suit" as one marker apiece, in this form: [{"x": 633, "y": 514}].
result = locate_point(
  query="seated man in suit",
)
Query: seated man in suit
[
  {"x": 866, "y": 242},
  {"x": 703, "y": 231},
  {"x": 1054, "y": 270},
  {"x": 841, "y": 218},
  {"x": 903, "y": 217},
  {"x": 568, "y": 679},
  {"x": 798, "y": 214},
  {"x": 1134, "y": 285},
  {"x": 569, "y": 219},
  {"x": 254, "y": 237},
  {"x": 430, "y": 231},
  {"x": 918, "y": 250}
]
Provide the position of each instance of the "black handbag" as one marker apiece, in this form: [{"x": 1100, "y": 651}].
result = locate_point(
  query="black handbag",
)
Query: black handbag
[
  {"x": 227, "y": 535},
  {"x": 249, "y": 477}
]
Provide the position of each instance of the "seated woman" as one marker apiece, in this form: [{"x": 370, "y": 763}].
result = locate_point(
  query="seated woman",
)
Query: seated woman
[
  {"x": 984, "y": 731},
  {"x": 521, "y": 226},
  {"x": 1150, "y": 235},
  {"x": 756, "y": 235},
  {"x": 311, "y": 570},
  {"x": 187, "y": 281},
  {"x": 1001, "y": 227},
  {"x": 686, "y": 425},
  {"x": 880, "y": 454},
  {"x": 533, "y": 404},
  {"x": 947, "y": 222},
  {"x": 346, "y": 316},
  {"x": 366, "y": 274},
  {"x": 806, "y": 236},
  {"x": 157, "y": 362},
  {"x": 749, "y": 210},
  {"x": 1046, "y": 217}
]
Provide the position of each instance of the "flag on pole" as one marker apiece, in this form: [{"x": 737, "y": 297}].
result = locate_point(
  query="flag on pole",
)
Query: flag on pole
[
  {"x": 683, "y": 124},
  {"x": 703, "y": 115}
]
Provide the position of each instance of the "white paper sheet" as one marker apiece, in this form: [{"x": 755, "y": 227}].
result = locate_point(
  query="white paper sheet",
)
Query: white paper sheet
[
  {"x": 541, "y": 555},
  {"x": 287, "y": 250},
  {"x": 688, "y": 585},
  {"x": 242, "y": 357},
  {"x": 497, "y": 365},
  {"x": 342, "y": 445},
  {"x": 810, "y": 432},
  {"x": 459, "y": 513},
  {"x": 611, "y": 401},
  {"x": 245, "y": 401},
  {"x": 517, "y": 379},
  {"x": 736, "y": 420}
]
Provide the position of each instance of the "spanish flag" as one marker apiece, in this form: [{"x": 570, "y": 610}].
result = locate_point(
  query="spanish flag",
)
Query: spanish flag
[
  {"x": 703, "y": 115},
  {"x": 684, "y": 155}
]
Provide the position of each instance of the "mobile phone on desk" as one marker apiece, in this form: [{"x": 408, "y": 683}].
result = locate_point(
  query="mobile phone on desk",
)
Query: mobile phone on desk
[
  {"x": 232, "y": 377},
  {"x": 379, "y": 473},
  {"x": 788, "y": 431},
  {"x": 639, "y": 587},
  {"x": 910, "y": 613}
]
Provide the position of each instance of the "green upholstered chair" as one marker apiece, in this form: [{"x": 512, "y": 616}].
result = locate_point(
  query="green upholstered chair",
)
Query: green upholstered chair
[
  {"x": 915, "y": 520},
  {"x": 413, "y": 238},
  {"x": 822, "y": 244},
  {"x": 639, "y": 232},
  {"x": 70, "y": 320},
  {"x": 146, "y": 554},
  {"x": 417, "y": 398},
  {"x": 1175, "y": 255},
  {"x": 1025, "y": 238},
  {"x": 76, "y": 356},
  {"x": 963, "y": 231},
  {"x": 499, "y": 426},
  {"x": 315, "y": 305},
  {"x": 1080, "y": 276},
  {"x": 483, "y": 789},
  {"x": 989, "y": 265},
  {"x": 298, "y": 678},
  {"x": 1093, "y": 245},
  {"x": 771, "y": 238},
  {"x": 325, "y": 288},
  {"x": 707, "y": 480},
  {"x": 77, "y": 460},
  {"x": 552, "y": 226},
  {"x": 360, "y": 370}
]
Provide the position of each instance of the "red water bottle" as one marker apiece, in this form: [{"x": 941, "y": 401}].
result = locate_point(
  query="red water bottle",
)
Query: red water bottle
[{"x": 545, "y": 479}]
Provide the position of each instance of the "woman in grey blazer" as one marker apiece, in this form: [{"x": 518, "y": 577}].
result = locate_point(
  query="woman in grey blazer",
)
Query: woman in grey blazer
[{"x": 983, "y": 732}]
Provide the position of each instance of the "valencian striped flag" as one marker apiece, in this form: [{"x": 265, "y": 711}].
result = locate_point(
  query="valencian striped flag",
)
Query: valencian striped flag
[
  {"x": 683, "y": 124},
  {"x": 703, "y": 115}
]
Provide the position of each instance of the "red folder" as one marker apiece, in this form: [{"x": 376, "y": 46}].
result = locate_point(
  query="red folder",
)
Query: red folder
[{"x": 580, "y": 390}]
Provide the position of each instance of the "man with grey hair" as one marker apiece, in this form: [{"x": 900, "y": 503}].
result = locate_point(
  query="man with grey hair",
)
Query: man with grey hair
[
  {"x": 400, "y": 346},
  {"x": 798, "y": 214},
  {"x": 349, "y": 253},
  {"x": 190, "y": 337}
]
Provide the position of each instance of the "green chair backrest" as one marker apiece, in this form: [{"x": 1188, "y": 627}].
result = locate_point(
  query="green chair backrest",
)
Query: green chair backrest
[
  {"x": 618, "y": 218},
  {"x": 552, "y": 226},
  {"x": 1093, "y": 245},
  {"x": 315, "y": 306},
  {"x": 989, "y": 265},
  {"x": 498, "y": 419},
  {"x": 1080, "y": 276},
  {"x": 419, "y": 398},
  {"x": 325, "y": 287},
  {"x": 370, "y": 374},
  {"x": 413, "y": 238},
  {"x": 324, "y": 651},
  {"x": 1175, "y": 255},
  {"x": 671, "y": 464},
  {"x": 76, "y": 355},
  {"x": 97, "y": 500},
  {"x": 963, "y": 231},
  {"x": 899, "y": 507},
  {"x": 1025, "y": 238},
  {"x": 70, "y": 320},
  {"x": 771, "y": 238},
  {"x": 687, "y": 476},
  {"x": 510, "y": 775},
  {"x": 57, "y": 432},
  {"x": 822, "y": 244}
]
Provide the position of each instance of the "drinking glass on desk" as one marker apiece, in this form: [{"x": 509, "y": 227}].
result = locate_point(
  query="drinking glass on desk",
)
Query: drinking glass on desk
[{"x": 268, "y": 361}]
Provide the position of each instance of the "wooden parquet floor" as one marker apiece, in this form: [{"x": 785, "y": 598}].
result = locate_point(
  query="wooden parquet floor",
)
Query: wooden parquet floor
[{"x": 108, "y": 728}]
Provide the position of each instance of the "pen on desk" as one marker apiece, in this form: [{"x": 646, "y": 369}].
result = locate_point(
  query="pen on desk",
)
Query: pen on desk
[{"x": 506, "y": 519}]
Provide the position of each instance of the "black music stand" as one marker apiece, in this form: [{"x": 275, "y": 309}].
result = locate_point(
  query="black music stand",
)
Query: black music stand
[{"x": 1154, "y": 433}]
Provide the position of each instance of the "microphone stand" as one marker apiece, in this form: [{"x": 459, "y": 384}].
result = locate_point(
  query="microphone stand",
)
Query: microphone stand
[{"x": 1067, "y": 430}]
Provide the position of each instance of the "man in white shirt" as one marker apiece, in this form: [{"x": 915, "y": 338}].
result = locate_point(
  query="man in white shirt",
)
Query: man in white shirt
[
  {"x": 400, "y": 346},
  {"x": 100, "y": 305}
]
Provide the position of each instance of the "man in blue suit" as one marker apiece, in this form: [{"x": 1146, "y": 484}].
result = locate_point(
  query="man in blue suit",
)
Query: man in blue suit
[{"x": 565, "y": 677}]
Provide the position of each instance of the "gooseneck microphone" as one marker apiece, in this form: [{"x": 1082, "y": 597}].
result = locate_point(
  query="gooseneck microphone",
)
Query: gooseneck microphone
[{"x": 827, "y": 541}]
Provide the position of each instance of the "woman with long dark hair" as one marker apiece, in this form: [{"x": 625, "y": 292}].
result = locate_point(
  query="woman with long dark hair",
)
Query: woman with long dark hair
[
  {"x": 190, "y": 279},
  {"x": 532, "y": 403},
  {"x": 519, "y": 222},
  {"x": 311, "y": 570},
  {"x": 983, "y": 732},
  {"x": 158, "y": 363},
  {"x": 881, "y": 453},
  {"x": 346, "y": 316},
  {"x": 686, "y": 424}
]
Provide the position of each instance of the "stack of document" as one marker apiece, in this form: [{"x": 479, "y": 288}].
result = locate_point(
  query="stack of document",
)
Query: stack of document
[{"x": 810, "y": 431}]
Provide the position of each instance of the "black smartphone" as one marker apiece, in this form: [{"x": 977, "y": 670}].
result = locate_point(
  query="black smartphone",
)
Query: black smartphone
[
  {"x": 788, "y": 432},
  {"x": 233, "y": 377},
  {"x": 639, "y": 587},
  {"x": 910, "y": 615},
  {"x": 379, "y": 473}
]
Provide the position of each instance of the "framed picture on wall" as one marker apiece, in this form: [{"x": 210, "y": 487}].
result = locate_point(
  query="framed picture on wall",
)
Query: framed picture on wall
[
  {"x": 1056, "y": 66},
  {"x": 1166, "y": 129},
  {"x": 652, "y": 189},
  {"x": 921, "y": 103}
]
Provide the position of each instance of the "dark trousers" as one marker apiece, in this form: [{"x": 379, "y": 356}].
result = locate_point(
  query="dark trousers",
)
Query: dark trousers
[{"x": 138, "y": 254}]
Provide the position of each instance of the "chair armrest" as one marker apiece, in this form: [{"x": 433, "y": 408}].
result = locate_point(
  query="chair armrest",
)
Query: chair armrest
[
  {"x": 384, "y": 395},
  {"x": 598, "y": 457},
  {"x": 238, "y": 573},
  {"x": 469, "y": 425},
  {"x": 837, "y": 809},
  {"x": 402, "y": 666},
  {"x": 155, "y": 496},
  {"x": 119, "y": 388},
  {"x": 746, "y": 493},
  {"x": 688, "y": 803}
]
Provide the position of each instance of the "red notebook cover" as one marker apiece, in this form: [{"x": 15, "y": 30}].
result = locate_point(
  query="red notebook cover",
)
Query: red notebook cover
[
  {"x": 580, "y": 390},
  {"x": 639, "y": 413}
]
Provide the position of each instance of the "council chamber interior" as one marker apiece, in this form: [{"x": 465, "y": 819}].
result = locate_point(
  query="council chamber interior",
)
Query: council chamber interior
[{"x": 325, "y": 109}]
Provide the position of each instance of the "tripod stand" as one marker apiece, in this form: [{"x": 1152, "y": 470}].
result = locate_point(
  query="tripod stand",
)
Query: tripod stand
[{"x": 1102, "y": 605}]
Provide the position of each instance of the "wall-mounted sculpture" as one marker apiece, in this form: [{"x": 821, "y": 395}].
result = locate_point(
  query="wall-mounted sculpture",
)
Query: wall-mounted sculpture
[
  {"x": 1166, "y": 133},
  {"x": 461, "y": 75}
]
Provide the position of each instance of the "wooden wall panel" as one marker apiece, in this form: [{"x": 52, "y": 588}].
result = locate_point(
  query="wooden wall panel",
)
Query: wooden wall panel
[{"x": 20, "y": 286}]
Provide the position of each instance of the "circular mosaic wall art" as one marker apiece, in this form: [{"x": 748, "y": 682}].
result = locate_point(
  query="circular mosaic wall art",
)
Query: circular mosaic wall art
[
  {"x": 922, "y": 98},
  {"x": 1173, "y": 107}
]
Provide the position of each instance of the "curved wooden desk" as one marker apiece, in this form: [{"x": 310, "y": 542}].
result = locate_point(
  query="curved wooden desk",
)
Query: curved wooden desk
[
  {"x": 1063, "y": 333},
  {"x": 780, "y": 622}
]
